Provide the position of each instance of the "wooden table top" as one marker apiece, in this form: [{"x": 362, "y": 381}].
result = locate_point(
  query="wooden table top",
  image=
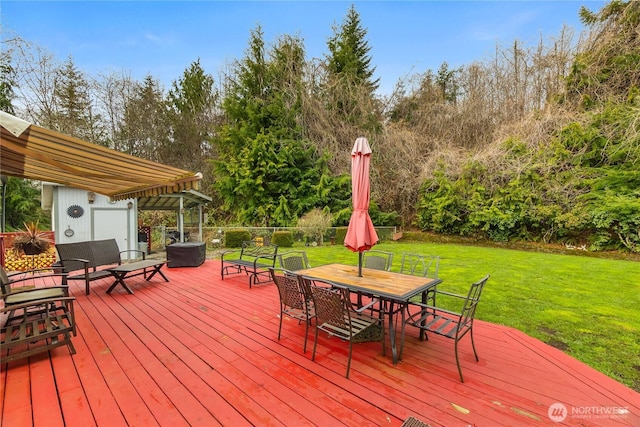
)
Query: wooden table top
[
  {"x": 388, "y": 284},
  {"x": 137, "y": 265}
]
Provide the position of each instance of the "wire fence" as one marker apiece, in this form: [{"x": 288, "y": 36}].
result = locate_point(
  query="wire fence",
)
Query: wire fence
[{"x": 161, "y": 236}]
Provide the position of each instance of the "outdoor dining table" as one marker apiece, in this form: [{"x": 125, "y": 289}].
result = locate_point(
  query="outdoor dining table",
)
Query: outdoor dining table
[{"x": 393, "y": 288}]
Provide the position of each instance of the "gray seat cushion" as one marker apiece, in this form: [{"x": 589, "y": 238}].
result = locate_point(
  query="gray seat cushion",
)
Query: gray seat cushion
[{"x": 33, "y": 295}]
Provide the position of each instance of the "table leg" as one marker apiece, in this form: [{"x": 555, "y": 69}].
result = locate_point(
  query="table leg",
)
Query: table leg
[
  {"x": 156, "y": 270},
  {"x": 423, "y": 333},
  {"x": 392, "y": 335},
  {"x": 396, "y": 354},
  {"x": 119, "y": 280},
  {"x": 402, "y": 308}
]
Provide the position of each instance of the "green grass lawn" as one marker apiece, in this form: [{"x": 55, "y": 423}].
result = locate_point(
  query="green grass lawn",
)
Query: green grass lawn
[{"x": 588, "y": 307}]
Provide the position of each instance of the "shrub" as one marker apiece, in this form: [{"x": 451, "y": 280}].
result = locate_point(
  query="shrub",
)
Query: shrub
[
  {"x": 282, "y": 238},
  {"x": 416, "y": 236},
  {"x": 234, "y": 238},
  {"x": 314, "y": 224},
  {"x": 341, "y": 233}
]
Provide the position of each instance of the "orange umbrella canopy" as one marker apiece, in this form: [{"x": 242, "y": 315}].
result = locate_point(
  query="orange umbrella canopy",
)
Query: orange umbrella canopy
[{"x": 361, "y": 234}]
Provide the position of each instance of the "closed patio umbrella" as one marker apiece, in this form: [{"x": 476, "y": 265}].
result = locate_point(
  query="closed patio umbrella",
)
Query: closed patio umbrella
[{"x": 361, "y": 235}]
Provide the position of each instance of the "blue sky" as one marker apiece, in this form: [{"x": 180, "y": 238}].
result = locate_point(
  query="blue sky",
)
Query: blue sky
[{"x": 163, "y": 38}]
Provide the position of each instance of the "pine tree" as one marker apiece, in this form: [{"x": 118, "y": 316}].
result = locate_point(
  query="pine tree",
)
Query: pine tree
[
  {"x": 191, "y": 114},
  {"x": 144, "y": 127},
  {"x": 73, "y": 111},
  {"x": 7, "y": 82},
  {"x": 350, "y": 51},
  {"x": 267, "y": 174},
  {"x": 350, "y": 87}
]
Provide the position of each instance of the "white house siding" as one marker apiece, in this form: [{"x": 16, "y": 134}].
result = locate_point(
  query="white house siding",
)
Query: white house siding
[{"x": 95, "y": 223}]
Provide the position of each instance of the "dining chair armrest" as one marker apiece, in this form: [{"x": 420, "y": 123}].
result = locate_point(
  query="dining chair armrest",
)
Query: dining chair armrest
[
  {"x": 434, "y": 308},
  {"x": 449, "y": 294},
  {"x": 367, "y": 306}
]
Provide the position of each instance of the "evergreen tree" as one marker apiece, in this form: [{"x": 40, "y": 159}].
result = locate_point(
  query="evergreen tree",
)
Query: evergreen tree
[
  {"x": 608, "y": 66},
  {"x": 266, "y": 173},
  {"x": 144, "y": 127},
  {"x": 74, "y": 113},
  {"x": 350, "y": 87},
  {"x": 350, "y": 51},
  {"x": 22, "y": 204},
  {"x": 7, "y": 82},
  {"x": 191, "y": 114},
  {"x": 448, "y": 83}
]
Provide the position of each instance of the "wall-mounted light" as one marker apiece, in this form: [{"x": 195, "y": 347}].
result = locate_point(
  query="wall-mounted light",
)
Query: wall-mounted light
[
  {"x": 130, "y": 205},
  {"x": 91, "y": 197}
]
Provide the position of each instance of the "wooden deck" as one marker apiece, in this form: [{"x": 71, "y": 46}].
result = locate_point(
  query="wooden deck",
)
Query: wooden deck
[{"x": 198, "y": 351}]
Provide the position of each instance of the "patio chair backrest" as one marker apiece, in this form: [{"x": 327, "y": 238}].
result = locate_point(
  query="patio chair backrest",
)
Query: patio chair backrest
[
  {"x": 77, "y": 250},
  {"x": 105, "y": 252},
  {"x": 420, "y": 265},
  {"x": 289, "y": 289},
  {"x": 97, "y": 252},
  {"x": 468, "y": 312},
  {"x": 305, "y": 286},
  {"x": 378, "y": 260},
  {"x": 4, "y": 282},
  {"x": 332, "y": 311},
  {"x": 294, "y": 260}
]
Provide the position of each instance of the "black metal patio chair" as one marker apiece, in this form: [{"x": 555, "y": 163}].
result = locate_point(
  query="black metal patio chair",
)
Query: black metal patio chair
[
  {"x": 295, "y": 301},
  {"x": 336, "y": 317},
  {"x": 30, "y": 286},
  {"x": 447, "y": 323}
]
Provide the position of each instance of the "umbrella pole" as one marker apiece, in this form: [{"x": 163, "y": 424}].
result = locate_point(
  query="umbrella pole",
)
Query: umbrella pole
[{"x": 359, "y": 264}]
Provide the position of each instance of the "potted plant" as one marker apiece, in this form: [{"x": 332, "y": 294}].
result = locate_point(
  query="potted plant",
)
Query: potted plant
[{"x": 31, "y": 240}]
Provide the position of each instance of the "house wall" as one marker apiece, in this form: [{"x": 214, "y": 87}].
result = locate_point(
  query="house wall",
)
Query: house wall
[{"x": 75, "y": 219}]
